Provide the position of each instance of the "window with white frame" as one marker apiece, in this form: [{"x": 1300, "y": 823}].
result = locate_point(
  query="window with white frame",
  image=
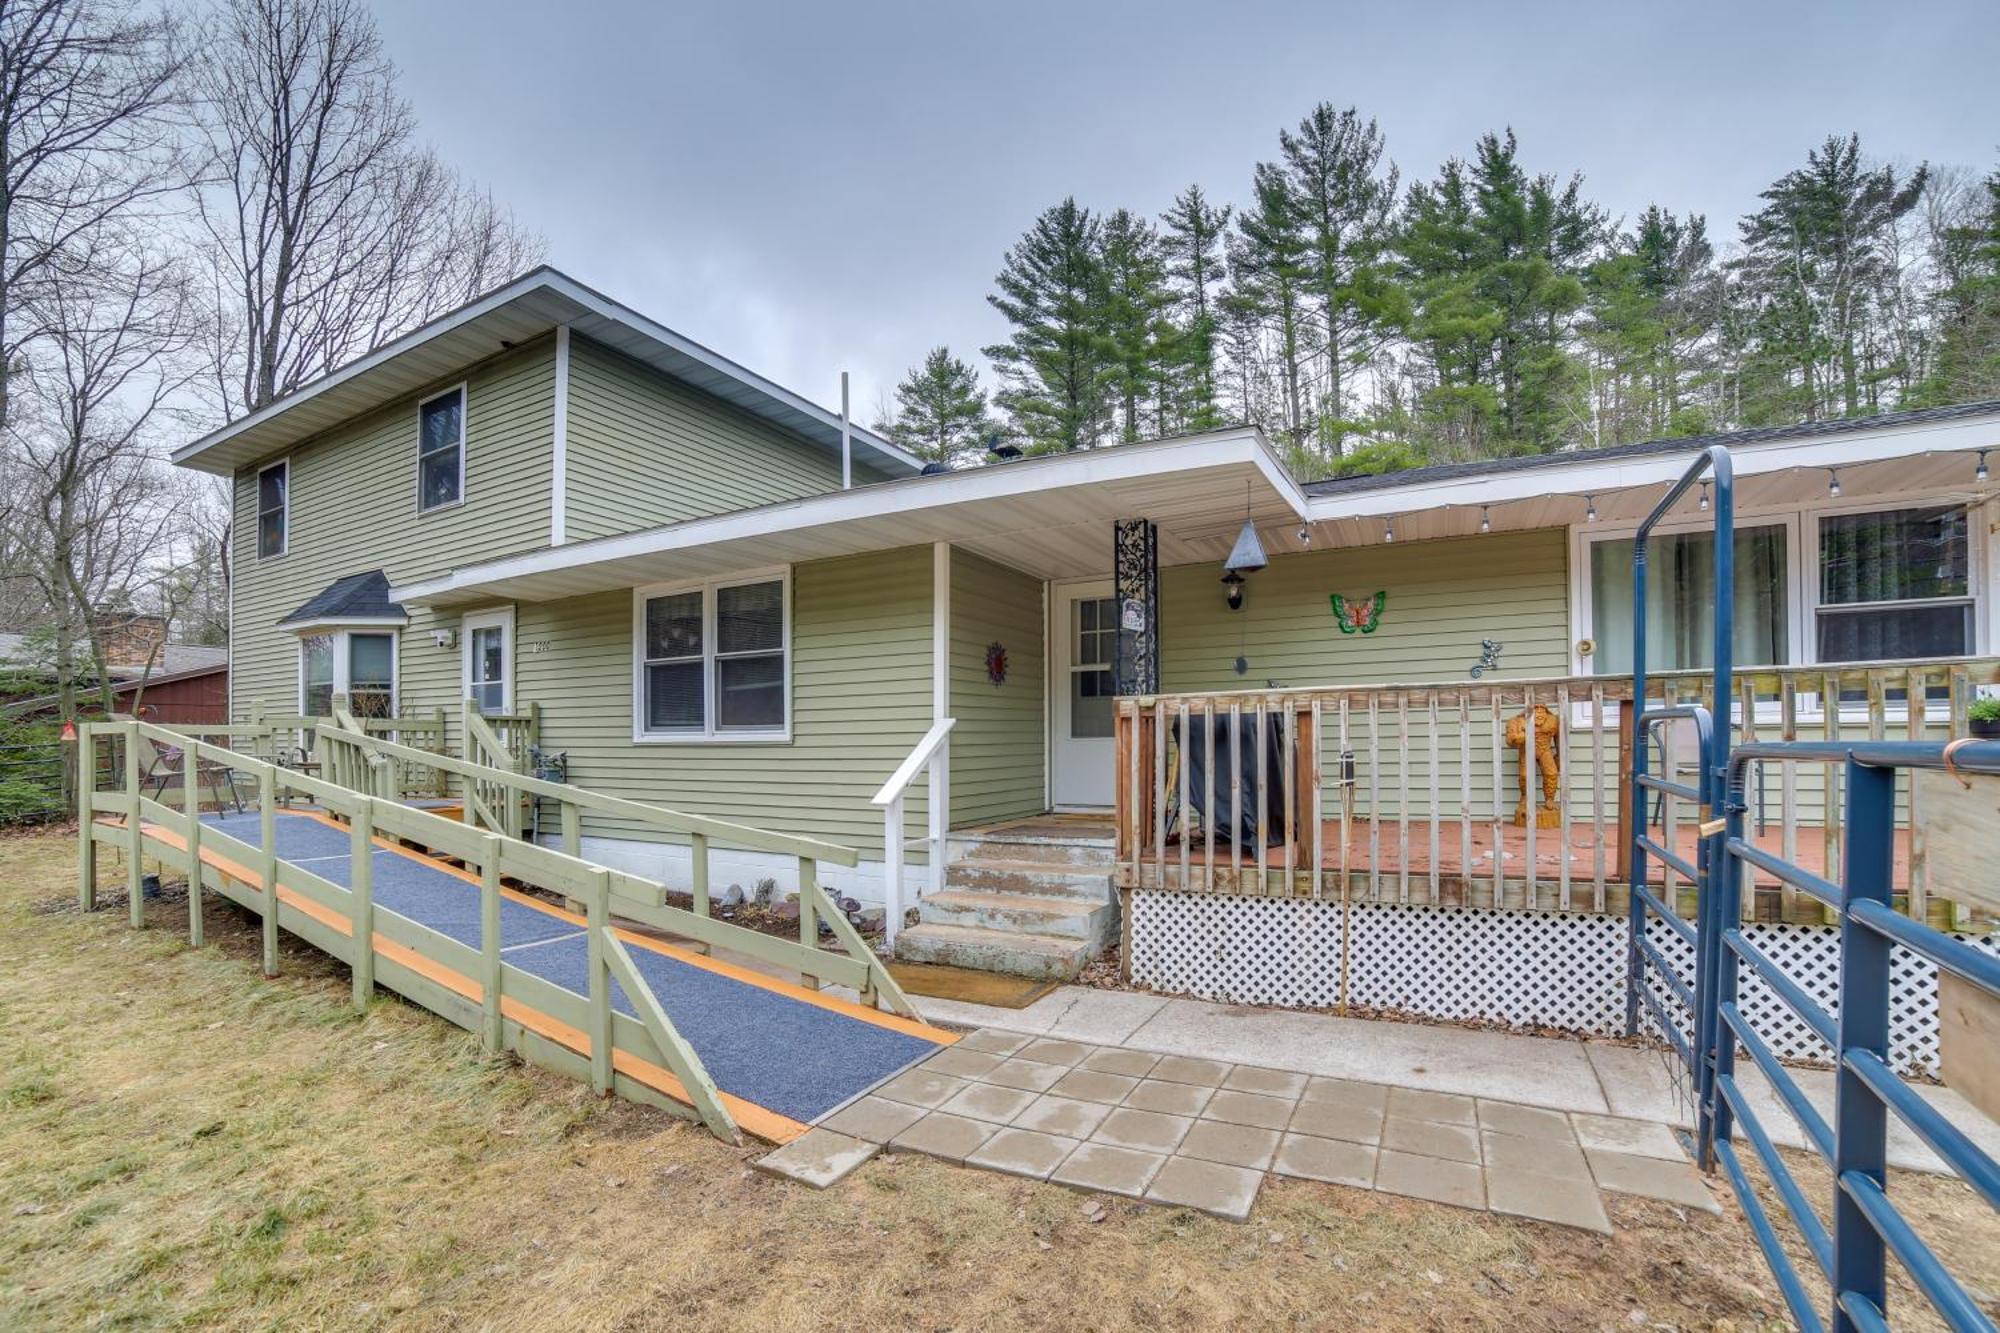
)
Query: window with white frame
[
  {"x": 441, "y": 449},
  {"x": 274, "y": 488},
  {"x": 360, "y": 664},
  {"x": 1820, "y": 584},
  {"x": 712, "y": 662}
]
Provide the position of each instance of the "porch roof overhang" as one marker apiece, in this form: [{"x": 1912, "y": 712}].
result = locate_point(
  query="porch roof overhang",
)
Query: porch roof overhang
[
  {"x": 1914, "y": 457},
  {"x": 535, "y": 304},
  {"x": 1049, "y": 517}
]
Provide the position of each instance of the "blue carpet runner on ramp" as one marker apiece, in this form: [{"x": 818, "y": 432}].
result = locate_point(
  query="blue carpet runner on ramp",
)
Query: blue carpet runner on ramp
[{"x": 783, "y": 1053}]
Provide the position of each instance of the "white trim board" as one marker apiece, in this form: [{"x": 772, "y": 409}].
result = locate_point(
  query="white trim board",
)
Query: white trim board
[{"x": 559, "y": 432}]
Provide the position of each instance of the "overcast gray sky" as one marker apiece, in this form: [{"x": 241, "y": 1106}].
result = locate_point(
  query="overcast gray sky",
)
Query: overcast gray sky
[{"x": 815, "y": 187}]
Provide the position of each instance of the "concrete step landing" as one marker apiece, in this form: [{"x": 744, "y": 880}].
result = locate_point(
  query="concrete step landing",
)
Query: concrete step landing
[{"x": 1018, "y": 953}]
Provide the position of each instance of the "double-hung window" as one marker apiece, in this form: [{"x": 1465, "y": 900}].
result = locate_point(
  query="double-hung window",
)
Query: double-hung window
[
  {"x": 441, "y": 450},
  {"x": 274, "y": 489},
  {"x": 360, "y": 664},
  {"x": 1894, "y": 584},
  {"x": 712, "y": 662}
]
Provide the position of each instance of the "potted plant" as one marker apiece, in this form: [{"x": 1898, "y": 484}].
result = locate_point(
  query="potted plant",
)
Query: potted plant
[{"x": 1985, "y": 718}]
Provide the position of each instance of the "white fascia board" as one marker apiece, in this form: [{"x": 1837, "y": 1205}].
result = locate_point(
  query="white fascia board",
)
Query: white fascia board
[
  {"x": 344, "y": 622},
  {"x": 1601, "y": 478},
  {"x": 562, "y": 284},
  {"x": 1025, "y": 476}
]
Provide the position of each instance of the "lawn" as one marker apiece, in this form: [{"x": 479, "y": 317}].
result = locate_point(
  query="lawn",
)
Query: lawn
[{"x": 183, "y": 1143}]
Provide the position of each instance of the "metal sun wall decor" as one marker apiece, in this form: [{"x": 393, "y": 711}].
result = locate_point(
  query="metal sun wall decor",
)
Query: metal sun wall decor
[
  {"x": 996, "y": 662},
  {"x": 1362, "y": 614}
]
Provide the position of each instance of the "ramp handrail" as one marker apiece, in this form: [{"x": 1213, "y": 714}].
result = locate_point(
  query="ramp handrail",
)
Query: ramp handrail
[
  {"x": 1867, "y": 1227},
  {"x": 933, "y": 752}
]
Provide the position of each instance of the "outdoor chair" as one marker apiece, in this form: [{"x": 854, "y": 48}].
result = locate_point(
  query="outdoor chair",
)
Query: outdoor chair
[{"x": 168, "y": 768}]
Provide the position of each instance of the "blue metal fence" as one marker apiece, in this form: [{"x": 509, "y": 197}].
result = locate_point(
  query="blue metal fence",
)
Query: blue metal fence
[{"x": 1867, "y": 1229}]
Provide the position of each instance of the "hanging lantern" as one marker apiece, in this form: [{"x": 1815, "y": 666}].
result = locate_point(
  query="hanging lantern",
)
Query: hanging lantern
[
  {"x": 1232, "y": 583},
  {"x": 1247, "y": 556}
]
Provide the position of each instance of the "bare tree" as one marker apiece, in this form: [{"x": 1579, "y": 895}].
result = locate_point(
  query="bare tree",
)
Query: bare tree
[
  {"x": 95, "y": 497},
  {"x": 330, "y": 230},
  {"x": 87, "y": 133}
]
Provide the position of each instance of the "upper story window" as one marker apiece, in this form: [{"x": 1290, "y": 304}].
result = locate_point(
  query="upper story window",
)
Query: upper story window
[
  {"x": 274, "y": 487},
  {"x": 712, "y": 663},
  {"x": 441, "y": 450}
]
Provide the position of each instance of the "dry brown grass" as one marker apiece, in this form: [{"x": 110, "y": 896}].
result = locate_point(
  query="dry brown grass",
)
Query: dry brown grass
[{"x": 183, "y": 1143}]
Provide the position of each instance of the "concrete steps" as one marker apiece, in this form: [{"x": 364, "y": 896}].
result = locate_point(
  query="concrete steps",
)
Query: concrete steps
[{"x": 1033, "y": 902}]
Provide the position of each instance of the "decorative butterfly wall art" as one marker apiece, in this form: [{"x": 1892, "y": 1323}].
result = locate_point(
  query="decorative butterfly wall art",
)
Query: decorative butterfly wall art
[{"x": 1363, "y": 615}]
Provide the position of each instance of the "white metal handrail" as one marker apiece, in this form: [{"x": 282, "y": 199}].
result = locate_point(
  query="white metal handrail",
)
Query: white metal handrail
[{"x": 933, "y": 752}]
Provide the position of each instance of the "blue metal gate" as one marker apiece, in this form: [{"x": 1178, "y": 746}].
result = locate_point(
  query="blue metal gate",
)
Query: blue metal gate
[{"x": 1852, "y": 1254}]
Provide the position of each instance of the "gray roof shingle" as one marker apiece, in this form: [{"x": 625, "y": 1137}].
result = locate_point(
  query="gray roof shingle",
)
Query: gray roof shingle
[
  {"x": 1688, "y": 444},
  {"x": 355, "y": 597}
]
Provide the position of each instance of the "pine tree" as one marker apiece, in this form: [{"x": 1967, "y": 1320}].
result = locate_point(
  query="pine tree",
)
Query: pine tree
[
  {"x": 941, "y": 411},
  {"x": 1968, "y": 260},
  {"x": 1342, "y": 197},
  {"x": 1269, "y": 265},
  {"x": 1651, "y": 304},
  {"x": 1192, "y": 244},
  {"x": 1132, "y": 305},
  {"x": 1055, "y": 368},
  {"x": 1816, "y": 255}
]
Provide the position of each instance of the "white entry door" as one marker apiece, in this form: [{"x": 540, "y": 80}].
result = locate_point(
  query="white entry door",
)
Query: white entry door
[
  {"x": 1085, "y": 635},
  {"x": 489, "y": 659}
]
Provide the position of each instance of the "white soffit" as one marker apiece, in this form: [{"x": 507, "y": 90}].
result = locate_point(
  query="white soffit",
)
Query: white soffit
[{"x": 1050, "y": 517}]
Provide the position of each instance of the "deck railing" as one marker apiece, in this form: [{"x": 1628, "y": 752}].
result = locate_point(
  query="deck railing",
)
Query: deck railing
[{"x": 1413, "y": 793}]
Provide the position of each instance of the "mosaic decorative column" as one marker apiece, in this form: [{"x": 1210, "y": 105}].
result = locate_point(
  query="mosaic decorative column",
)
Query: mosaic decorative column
[{"x": 1136, "y": 584}]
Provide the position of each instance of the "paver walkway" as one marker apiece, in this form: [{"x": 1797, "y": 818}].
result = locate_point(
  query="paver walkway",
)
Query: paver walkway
[{"x": 1205, "y": 1134}]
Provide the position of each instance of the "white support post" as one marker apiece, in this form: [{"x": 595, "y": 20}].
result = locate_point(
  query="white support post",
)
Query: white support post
[
  {"x": 892, "y": 870},
  {"x": 940, "y": 765}
]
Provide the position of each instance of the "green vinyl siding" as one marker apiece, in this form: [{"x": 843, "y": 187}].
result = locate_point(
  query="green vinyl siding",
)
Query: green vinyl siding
[
  {"x": 1443, "y": 598},
  {"x": 861, "y": 699},
  {"x": 353, "y": 508},
  {"x": 997, "y": 747},
  {"x": 645, "y": 449}
]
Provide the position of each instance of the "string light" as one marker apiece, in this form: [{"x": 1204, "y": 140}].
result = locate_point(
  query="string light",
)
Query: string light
[
  {"x": 1833, "y": 482},
  {"x": 1485, "y": 519},
  {"x": 1388, "y": 529},
  {"x": 1590, "y": 513},
  {"x": 1704, "y": 495},
  {"x": 1979, "y": 473}
]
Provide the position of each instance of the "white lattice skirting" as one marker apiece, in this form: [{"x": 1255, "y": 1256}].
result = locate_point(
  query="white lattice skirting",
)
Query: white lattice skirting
[{"x": 1547, "y": 969}]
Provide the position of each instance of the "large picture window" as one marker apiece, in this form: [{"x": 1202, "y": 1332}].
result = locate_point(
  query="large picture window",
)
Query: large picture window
[
  {"x": 360, "y": 664},
  {"x": 712, "y": 662},
  {"x": 1680, "y": 601},
  {"x": 441, "y": 450}
]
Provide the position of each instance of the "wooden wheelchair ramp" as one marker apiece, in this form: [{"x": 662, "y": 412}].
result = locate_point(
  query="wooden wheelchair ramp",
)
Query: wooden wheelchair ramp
[{"x": 738, "y": 1048}]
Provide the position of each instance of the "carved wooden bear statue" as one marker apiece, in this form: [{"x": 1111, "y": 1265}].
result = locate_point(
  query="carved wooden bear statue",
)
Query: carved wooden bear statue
[{"x": 1546, "y": 728}]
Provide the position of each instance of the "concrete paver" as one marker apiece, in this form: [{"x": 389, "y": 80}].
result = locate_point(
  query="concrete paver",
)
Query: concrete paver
[
  {"x": 1270, "y": 1082},
  {"x": 961, "y": 1063},
  {"x": 1249, "y": 1108},
  {"x": 1090, "y": 1086},
  {"x": 1641, "y": 1138},
  {"x": 1561, "y": 1199},
  {"x": 876, "y": 1119},
  {"x": 1187, "y": 1069},
  {"x": 1148, "y": 1131},
  {"x": 1062, "y": 1115},
  {"x": 1099, "y": 1166},
  {"x": 1346, "y": 1092},
  {"x": 1440, "y": 1108},
  {"x": 1172, "y": 1098},
  {"x": 1022, "y": 1152},
  {"x": 921, "y": 1087},
  {"x": 989, "y": 1101},
  {"x": 1030, "y": 1075},
  {"x": 1542, "y": 1157},
  {"x": 993, "y": 1041},
  {"x": 817, "y": 1158},
  {"x": 1232, "y": 1145},
  {"x": 1131, "y": 1064},
  {"x": 1050, "y": 1051},
  {"x": 940, "y": 1134},
  {"x": 1226, "y": 1191},
  {"x": 1337, "y": 1120},
  {"x": 1527, "y": 1122},
  {"x": 1461, "y": 1184},
  {"x": 1674, "y": 1182},
  {"x": 1457, "y": 1143},
  {"x": 1330, "y": 1160}
]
